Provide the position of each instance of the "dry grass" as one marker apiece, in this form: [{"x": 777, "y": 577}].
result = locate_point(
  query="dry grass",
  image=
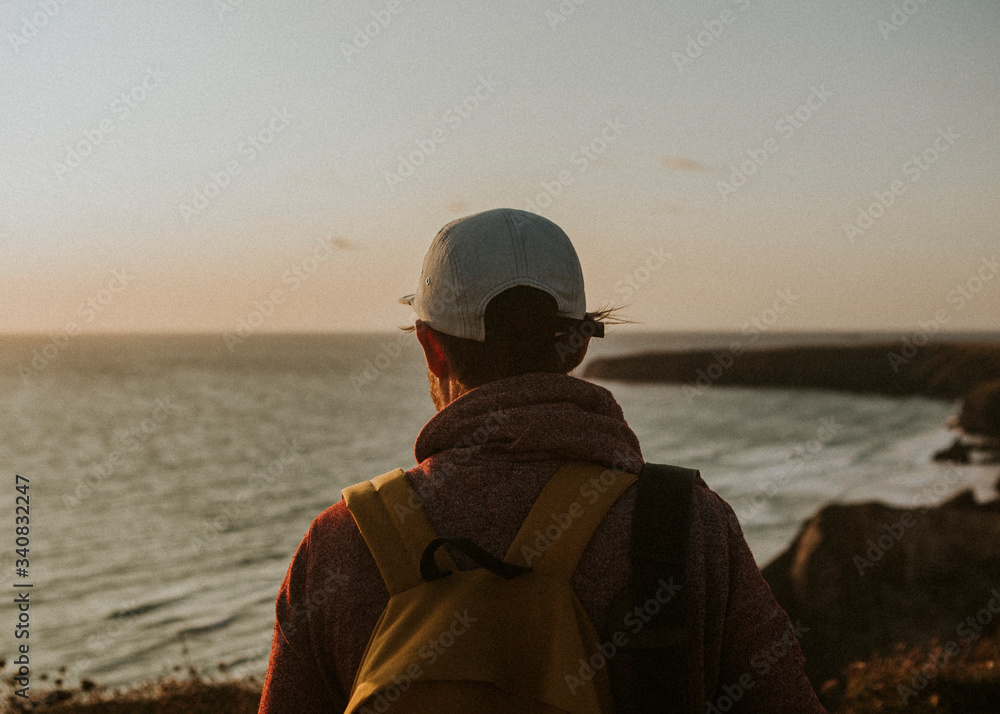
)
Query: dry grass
[
  {"x": 909, "y": 680},
  {"x": 195, "y": 695},
  {"x": 966, "y": 684}
]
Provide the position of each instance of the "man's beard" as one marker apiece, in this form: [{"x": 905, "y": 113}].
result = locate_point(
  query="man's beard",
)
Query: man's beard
[
  {"x": 437, "y": 394},
  {"x": 444, "y": 392}
]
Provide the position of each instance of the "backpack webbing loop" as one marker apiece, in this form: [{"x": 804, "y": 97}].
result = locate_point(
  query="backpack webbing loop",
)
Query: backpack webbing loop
[{"x": 429, "y": 569}]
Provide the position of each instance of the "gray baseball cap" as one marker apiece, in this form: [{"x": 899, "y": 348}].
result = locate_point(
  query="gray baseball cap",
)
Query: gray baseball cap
[{"x": 473, "y": 259}]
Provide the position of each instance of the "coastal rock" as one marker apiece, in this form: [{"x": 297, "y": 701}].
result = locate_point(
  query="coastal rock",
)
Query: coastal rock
[
  {"x": 979, "y": 423},
  {"x": 943, "y": 370},
  {"x": 862, "y": 577},
  {"x": 940, "y": 371},
  {"x": 980, "y": 415}
]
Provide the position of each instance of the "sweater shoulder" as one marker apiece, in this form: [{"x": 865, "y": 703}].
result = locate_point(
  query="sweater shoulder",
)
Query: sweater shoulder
[
  {"x": 712, "y": 512},
  {"x": 334, "y": 551},
  {"x": 334, "y": 520}
]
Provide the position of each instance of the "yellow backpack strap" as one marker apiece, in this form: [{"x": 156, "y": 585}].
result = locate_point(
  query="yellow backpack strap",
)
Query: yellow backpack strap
[
  {"x": 567, "y": 512},
  {"x": 395, "y": 528}
]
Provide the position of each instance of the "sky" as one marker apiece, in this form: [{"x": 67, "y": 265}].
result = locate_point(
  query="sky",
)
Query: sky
[{"x": 233, "y": 165}]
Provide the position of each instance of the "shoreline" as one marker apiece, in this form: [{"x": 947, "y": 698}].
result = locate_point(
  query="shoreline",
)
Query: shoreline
[{"x": 876, "y": 610}]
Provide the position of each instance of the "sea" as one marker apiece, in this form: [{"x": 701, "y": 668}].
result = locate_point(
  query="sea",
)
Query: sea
[{"x": 171, "y": 477}]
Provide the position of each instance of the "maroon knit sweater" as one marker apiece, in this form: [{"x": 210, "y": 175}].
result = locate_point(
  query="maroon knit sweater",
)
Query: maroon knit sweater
[{"x": 482, "y": 461}]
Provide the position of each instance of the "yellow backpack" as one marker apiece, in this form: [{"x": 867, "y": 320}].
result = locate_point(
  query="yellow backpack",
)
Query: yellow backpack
[{"x": 510, "y": 636}]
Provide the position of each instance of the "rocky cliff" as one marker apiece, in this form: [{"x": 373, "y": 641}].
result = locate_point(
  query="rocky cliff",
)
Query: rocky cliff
[{"x": 864, "y": 577}]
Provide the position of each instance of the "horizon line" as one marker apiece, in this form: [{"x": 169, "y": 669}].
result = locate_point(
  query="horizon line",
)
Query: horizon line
[{"x": 902, "y": 331}]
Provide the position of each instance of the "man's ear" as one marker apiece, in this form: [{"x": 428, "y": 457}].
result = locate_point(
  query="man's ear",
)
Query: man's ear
[{"x": 437, "y": 360}]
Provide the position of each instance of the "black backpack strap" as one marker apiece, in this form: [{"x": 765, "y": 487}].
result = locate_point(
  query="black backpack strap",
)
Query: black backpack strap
[{"x": 651, "y": 672}]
